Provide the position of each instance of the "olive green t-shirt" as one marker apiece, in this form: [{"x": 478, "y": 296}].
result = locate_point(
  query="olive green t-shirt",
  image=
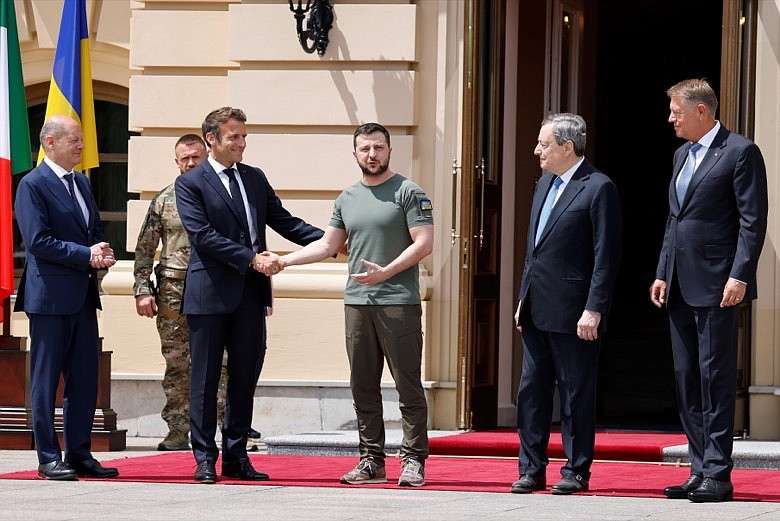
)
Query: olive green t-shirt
[{"x": 377, "y": 220}]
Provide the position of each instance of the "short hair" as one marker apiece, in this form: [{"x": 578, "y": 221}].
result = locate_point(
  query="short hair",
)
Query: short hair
[
  {"x": 52, "y": 127},
  {"x": 568, "y": 127},
  {"x": 369, "y": 128},
  {"x": 695, "y": 92},
  {"x": 219, "y": 116},
  {"x": 190, "y": 139}
]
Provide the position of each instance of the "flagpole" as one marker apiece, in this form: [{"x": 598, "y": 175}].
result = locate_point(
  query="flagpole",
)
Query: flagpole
[{"x": 7, "y": 317}]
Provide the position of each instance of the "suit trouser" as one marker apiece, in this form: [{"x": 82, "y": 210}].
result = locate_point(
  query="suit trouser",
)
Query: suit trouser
[
  {"x": 67, "y": 345},
  {"x": 392, "y": 333},
  {"x": 704, "y": 347},
  {"x": 573, "y": 362},
  {"x": 240, "y": 332}
]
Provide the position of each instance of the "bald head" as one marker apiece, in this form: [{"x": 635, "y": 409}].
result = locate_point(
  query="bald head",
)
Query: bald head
[{"x": 62, "y": 141}]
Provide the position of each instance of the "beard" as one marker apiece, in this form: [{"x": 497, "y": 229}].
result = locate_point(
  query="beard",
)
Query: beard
[{"x": 381, "y": 169}]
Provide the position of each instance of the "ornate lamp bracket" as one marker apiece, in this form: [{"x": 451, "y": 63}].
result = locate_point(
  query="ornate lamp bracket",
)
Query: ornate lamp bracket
[{"x": 318, "y": 23}]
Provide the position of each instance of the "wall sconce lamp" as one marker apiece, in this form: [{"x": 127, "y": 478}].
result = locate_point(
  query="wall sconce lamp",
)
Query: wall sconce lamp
[{"x": 318, "y": 23}]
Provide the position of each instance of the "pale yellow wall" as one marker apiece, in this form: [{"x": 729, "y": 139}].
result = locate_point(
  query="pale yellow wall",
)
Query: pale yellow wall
[
  {"x": 285, "y": 158},
  {"x": 173, "y": 101},
  {"x": 38, "y": 22},
  {"x": 438, "y": 105},
  {"x": 162, "y": 38},
  {"x": 765, "y": 379},
  {"x": 397, "y": 61},
  {"x": 393, "y": 61},
  {"x": 294, "y": 163},
  {"x": 353, "y": 37},
  {"x": 301, "y": 110}
]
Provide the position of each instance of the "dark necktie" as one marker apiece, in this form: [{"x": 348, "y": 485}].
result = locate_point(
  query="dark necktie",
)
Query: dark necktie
[
  {"x": 687, "y": 172},
  {"x": 238, "y": 203},
  {"x": 547, "y": 208},
  {"x": 72, "y": 190}
]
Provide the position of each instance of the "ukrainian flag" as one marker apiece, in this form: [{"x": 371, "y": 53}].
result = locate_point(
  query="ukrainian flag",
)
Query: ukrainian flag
[{"x": 70, "y": 91}]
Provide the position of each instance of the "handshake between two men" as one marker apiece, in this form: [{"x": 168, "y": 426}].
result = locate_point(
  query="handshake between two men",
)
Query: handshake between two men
[{"x": 267, "y": 263}]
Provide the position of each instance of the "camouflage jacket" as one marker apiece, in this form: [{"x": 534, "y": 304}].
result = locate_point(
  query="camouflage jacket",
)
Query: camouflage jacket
[{"x": 162, "y": 223}]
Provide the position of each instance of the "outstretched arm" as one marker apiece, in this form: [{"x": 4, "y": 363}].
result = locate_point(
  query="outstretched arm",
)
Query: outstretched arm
[
  {"x": 421, "y": 247},
  {"x": 322, "y": 248}
]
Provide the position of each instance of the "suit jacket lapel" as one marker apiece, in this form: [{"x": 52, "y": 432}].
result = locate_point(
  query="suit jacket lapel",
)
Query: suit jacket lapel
[
  {"x": 674, "y": 204},
  {"x": 536, "y": 207},
  {"x": 61, "y": 194},
  {"x": 570, "y": 191},
  {"x": 213, "y": 179},
  {"x": 713, "y": 155},
  {"x": 85, "y": 194},
  {"x": 251, "y": 193}
]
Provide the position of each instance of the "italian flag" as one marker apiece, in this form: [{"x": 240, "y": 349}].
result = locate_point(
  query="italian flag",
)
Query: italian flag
[{"x": 15, "y": 155}]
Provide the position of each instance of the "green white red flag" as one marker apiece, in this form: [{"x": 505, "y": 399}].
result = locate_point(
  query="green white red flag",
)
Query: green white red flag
[{"x": 15, "y": 154}]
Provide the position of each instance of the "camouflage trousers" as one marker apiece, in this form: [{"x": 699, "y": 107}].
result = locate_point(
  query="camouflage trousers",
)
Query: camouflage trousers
[{"x": 175, "y": 341}]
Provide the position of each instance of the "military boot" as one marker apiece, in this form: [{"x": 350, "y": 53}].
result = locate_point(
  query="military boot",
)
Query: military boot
[{"x": 175, "y": 440}]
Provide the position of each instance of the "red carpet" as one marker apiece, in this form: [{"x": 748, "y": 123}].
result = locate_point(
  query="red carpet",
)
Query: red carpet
[
  {"x": 442, "y": 473},
  {"x": 610, "y": 445}
]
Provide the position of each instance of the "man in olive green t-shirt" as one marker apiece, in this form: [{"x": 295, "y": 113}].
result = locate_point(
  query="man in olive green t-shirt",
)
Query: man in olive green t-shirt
[{"x": 388, "y": 220}]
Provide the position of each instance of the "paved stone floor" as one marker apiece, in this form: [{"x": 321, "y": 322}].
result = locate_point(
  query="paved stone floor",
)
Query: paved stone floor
[{"x": 81, "y": 500}]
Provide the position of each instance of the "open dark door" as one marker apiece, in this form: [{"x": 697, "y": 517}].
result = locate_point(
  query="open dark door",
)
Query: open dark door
[
  {"x": 737, "y": 113},
  {"x": 481, "y": 214}
]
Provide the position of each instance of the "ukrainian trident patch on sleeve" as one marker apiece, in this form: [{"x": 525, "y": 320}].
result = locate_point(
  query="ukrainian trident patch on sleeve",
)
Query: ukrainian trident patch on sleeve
[{"x": 425, "y": 206}]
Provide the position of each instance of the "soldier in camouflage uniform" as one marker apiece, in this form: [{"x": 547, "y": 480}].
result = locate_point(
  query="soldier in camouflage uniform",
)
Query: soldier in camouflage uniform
[{"x": 163, "y": 223}]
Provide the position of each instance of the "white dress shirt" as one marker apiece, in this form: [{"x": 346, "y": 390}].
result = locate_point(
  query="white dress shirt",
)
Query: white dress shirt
[
  {"x": 219, "y": 168},
  {"x": 566, "y": 177},
  {"x": 61, "y": 173}
]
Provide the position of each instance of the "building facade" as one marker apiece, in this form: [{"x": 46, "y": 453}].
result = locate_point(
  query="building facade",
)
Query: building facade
[{"x": 462, "y": 86}]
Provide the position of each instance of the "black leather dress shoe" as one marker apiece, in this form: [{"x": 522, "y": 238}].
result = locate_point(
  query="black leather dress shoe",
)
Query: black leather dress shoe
[
  {"x": 570, "y": 484},
  {"x": 242, "y": 469},
  {"x": 681, "y": 491},
  {"x": 206, "y": 472},
  {"x": 712, "y": 491},
  {"x": 91, "y": 468},
  {"x": 527, "y": 484},
  {"x": 56, "y": 470}
]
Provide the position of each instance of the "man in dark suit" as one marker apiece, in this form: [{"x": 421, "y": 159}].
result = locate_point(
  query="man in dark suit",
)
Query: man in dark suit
[
  {"x": 707, "y": 267},
  {"x": 571, "y": 263},
  {"x": 60, "y": 225},
  {"x": 225, "y": 206}
]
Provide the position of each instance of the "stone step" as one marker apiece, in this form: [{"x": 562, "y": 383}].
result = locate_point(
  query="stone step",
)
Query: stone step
[{"x": 747, "y": 454}]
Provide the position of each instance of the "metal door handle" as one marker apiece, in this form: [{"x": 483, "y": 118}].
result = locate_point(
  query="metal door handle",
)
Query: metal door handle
[
  {"x": 454, "y": 236},
  {"x": 481, "y": 173}
]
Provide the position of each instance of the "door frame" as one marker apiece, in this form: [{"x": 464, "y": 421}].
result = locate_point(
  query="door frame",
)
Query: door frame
[
  {"x": 472, "y": 168},
  {"x": 737, "y": 113}
]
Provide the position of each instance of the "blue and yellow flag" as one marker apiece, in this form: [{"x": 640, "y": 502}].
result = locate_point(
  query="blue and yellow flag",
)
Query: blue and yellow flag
[{"x": 70, "y": 91}]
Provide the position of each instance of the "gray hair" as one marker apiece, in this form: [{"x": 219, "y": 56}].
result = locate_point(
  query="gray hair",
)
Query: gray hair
[
  {"x": 568, "y": 127},
  {"x": 695, "y": 92},
  {"x": 54, "y": 127}
]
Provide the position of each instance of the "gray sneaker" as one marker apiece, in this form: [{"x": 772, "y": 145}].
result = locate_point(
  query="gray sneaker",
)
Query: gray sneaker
[
  {"x": 413, "y": 474},
  {"x": 367, "y": 472}
]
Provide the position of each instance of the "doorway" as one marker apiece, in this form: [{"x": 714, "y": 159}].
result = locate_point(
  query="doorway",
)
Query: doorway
[
  {"x": 644, "y": 47},
  {"x": 481, "y": 218},
  {"x": 621, "y": 58}
]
